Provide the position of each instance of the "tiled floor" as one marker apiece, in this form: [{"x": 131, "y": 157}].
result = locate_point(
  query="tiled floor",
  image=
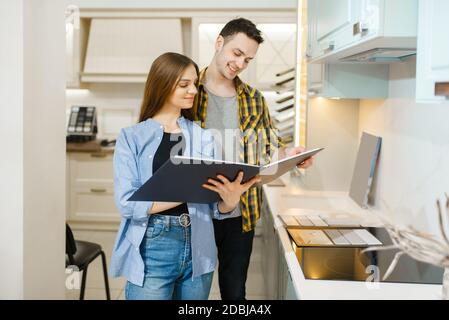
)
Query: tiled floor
[{"x": 95, "y": 282}]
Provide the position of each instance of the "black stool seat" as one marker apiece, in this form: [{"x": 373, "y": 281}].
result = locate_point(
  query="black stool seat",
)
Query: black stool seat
[{"x": 86, "y": 252}]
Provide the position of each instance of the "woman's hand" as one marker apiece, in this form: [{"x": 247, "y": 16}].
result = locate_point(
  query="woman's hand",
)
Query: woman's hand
[{"x": 230, "y": 192}]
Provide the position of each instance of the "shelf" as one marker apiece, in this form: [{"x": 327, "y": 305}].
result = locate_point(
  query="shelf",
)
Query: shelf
[
  {"x": 282, "y": 89},
  {"x": 287, "y": 98},
  {"x": 285, "y": 72},
  {"x": 283, "y": 82},
  {"x": 284, "y": 107},
  {"x": 287, "y": 124},
  {"x": 285, "y": 116}
]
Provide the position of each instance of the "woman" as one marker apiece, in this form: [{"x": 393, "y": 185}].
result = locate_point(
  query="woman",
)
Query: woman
[{"x": 166, "y": 250}]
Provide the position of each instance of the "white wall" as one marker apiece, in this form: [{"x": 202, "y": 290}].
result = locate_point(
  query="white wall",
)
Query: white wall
[
  {"x": 11, "y": 156},
  {"x": 413, "y": 170},
  {"x": 332, "y": 124},
  {"x": 32, "y": 208},
  {"x": 414, "y": 165},
  {"x": 118, "y": 105}
]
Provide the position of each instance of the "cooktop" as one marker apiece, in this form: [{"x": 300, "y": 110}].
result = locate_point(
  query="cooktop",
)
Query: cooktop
[{"x": 324, "y": 263}]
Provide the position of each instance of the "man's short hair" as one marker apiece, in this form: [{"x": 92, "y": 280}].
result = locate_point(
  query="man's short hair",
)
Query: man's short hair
[{"x": 241, "y": 25}]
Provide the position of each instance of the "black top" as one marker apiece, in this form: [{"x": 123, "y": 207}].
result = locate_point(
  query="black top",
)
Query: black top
[{"x": 170, "y": 140}]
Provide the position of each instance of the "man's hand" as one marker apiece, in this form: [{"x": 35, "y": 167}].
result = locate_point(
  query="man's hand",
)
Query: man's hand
[
  {"x": 230, "y": 192},
  {"x": 289, "y": 152}
]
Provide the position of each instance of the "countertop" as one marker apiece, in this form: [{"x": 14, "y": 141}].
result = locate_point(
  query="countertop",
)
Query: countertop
[
  {"x": 281, "y": 199},
  {"x": 91, "y": 147}
]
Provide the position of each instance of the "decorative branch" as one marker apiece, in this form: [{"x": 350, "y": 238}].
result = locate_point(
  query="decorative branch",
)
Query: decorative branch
[{"x": 418, "y": 245}]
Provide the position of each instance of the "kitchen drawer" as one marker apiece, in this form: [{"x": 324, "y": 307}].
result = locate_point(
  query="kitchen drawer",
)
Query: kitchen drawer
[
  {"x": 94, "y": 203},
  {"x": 89, "y": 167}
]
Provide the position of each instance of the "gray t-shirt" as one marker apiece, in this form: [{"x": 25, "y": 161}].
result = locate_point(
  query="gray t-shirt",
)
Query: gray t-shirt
[{"x": 223, "y": 121}]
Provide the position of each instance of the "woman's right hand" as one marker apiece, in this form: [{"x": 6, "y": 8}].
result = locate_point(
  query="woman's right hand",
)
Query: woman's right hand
[{"x": 230, "y": 192}]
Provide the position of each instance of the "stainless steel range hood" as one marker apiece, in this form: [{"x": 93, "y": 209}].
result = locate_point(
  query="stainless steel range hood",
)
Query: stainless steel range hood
[{"x": 381, "y": 55}]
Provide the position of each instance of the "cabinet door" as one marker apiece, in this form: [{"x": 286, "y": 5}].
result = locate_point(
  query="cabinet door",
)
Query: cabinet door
[
  {"x": 88, "y": 168},
  {"x": 290, "y": 293},
  {"x": 332, "y": 24},
  {"x": 433, "y": 50},
  {"x": 282, "y": 272},
  {"x": 91, "y": 188}
]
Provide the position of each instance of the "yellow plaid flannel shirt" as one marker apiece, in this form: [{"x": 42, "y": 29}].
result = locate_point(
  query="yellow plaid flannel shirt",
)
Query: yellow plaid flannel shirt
[{"x": 258, "y": 138}]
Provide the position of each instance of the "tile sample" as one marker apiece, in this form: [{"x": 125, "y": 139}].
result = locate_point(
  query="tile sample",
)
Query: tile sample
[
  {"x": 303, "y": 221},
  {"x": 337, "y": 238},
  {"x": 289, "y": 220},
  {"x": 317, "y": 221},
  {"x": 368, "y": 237},
  {"x": 311, "y": 237},
  {"x": 353, "y": 238}
]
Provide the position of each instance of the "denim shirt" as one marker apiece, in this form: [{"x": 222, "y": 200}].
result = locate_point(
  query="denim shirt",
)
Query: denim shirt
[{"x": 133, "y": 166}]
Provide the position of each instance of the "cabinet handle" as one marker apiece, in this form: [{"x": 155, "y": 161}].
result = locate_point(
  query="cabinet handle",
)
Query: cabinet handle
[
  {"x": 329, "y": 47},
  {"x": 98, "y": 155},
  {"x": 98, "y": 190},
  {"x": 365, "y": 29},
  {"x": 442, "y": 89},
  {"x": 360, "y": 27}
]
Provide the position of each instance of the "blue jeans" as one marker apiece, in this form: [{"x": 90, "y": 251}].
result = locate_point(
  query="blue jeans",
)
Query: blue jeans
[{"x": 167, "y": 255}]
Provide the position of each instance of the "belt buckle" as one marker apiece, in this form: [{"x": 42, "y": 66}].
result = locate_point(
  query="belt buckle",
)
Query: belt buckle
[{"x": 184, "y": 220}]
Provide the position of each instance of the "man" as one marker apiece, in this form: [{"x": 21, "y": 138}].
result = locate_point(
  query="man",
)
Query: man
[{"x": 240, "y": 115}]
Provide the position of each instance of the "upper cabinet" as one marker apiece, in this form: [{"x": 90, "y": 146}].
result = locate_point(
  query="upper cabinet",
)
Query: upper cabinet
[
  {"x": 433, "y": 51},
  {"x": 330, "y": 25},
  {"x": 361, "y": 30}
]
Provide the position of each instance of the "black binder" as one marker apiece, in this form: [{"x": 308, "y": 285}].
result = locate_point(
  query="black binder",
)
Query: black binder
[{"x": 180, "y": 179}]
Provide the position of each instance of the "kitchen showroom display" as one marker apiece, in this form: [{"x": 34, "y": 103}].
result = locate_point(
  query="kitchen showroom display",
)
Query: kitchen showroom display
[{"x": 284, "y": 112}]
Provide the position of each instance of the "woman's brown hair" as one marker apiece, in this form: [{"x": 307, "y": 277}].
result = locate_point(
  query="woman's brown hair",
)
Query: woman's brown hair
[{"x": 162, "y": 79}]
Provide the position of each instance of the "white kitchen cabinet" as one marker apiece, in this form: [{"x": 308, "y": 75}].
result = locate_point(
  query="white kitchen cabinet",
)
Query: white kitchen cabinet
[
  {"x": 278, "y": 283},
  {"x": 290, "y": 293},
  {"x": 270, "y": 254},
  {"x": 340, "y": 29},
  {"x": 348, "y": 81},
  {"x": 283, "y": 273},
  {"x": 433, "y": 51},
  {"x": 91, "y": 188},
  {"x": 330, "y": 24}
]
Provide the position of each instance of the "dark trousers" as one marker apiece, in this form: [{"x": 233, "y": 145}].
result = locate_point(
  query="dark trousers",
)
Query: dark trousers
[{"x": 234, "y": 252}]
